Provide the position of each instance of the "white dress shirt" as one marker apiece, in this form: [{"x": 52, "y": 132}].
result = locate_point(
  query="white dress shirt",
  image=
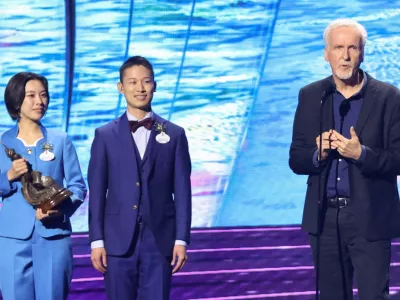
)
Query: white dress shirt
[{"x": 141, "y": 138}]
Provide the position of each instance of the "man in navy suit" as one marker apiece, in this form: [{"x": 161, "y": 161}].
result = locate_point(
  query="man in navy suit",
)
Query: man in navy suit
[
  {"x": 140, "y": 194},
  {"x": 355, "y": 175}
]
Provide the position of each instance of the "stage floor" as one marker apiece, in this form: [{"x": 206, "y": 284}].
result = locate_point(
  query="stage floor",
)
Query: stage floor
[{"x": 231, "y": 264}]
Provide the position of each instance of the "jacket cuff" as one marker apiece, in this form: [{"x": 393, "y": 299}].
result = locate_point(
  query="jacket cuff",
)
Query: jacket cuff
[{"x": 6, "y": 187}]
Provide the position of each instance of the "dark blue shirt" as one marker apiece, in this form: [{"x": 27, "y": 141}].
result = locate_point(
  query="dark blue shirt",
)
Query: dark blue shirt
[{"x": 338, "y": 184}]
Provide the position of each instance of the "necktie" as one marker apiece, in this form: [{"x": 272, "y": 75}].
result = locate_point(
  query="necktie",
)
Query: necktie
[{"x": 147, "y": 123}]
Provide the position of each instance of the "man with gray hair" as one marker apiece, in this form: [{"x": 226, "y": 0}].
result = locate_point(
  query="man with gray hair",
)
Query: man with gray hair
[{"x": 346, "y": 138}]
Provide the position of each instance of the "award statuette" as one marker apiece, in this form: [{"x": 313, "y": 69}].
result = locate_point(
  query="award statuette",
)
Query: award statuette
[{"x": 39, "y": 191}]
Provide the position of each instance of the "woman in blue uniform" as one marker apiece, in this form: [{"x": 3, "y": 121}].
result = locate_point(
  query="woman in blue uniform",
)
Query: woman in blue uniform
[{"x": 35, "y": 246}]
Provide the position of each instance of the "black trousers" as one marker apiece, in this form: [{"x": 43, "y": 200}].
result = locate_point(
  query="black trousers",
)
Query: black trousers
[{"x": 345, "y": 254}]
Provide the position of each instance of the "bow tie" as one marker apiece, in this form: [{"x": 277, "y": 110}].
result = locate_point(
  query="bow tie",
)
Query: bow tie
[{"x": 147, "y": 123}]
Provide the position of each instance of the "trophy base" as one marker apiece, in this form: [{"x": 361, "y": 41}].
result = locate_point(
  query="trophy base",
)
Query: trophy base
[{"x": 55, "y": 200}]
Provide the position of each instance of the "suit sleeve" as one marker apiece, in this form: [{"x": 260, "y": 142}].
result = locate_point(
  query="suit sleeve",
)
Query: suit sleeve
[
  {"x": 385, "y": 161},
  {"x": 6, "y": 188},
  {"x": 97, "y": 179},
  {"x": 182, "y": 189},
  {"x": 73, "y": 178},
  {"x": 303, "y": 147}
]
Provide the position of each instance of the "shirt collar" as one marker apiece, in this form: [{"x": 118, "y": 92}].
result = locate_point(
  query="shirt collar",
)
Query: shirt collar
[
  {"x": 364, "y": 86},
  {"x": 361, "y": 92},
  {"x": 132, "y": 118}
]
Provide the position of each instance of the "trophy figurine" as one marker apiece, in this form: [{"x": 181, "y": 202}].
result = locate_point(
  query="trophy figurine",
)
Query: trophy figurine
[{"x": 39, "y": 191}]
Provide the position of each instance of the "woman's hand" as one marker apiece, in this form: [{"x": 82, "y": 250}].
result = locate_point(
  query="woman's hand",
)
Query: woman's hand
[
  {"x": 18, "y": 168},
  {"x": 40, "y": 215}
]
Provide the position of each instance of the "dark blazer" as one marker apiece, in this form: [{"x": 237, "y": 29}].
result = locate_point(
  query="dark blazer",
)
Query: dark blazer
[
  {"x": 373, "y": 183},
  {"x": 116, "y": 187}
]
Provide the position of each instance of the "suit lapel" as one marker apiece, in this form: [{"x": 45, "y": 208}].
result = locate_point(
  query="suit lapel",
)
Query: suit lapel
[
  {"x": 153, "y": 146},
  {"x": 327, "y": 109},
  {"x": 367, "y": 105},
  {"x": 150, "y": 145},
  {"x": 126, "y": 148}
]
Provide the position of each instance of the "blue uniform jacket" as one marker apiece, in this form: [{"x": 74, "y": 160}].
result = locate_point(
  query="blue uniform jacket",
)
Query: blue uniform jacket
[{"x": 17, "y": 216}]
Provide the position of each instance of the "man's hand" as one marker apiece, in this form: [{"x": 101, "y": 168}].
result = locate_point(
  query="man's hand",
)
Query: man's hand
[
  {"x": 40, "y": 215},
  {"x": 326, "y": 143},
  {"x": 99, "y": 259},
  {"x": 179, "y": 258},
  {"x": 18, "y": 168},
  {"x": 347, "y": 148}
]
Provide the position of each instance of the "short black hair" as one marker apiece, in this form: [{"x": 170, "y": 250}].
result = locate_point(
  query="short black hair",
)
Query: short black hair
[
  {"x": 14, "y": 94},
  {"x": 135, "y": 61}
]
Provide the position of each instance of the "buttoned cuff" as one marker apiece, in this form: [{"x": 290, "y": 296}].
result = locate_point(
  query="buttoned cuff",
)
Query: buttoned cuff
[
  {"x": 181, "y": 243},
  {"x": 97, "y": 244},
  {"x": 361, "y": 159},
  {"x": 315, "y": 158}
]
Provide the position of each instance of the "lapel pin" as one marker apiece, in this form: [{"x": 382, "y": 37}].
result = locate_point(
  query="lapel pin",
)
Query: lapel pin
[
  {"x": 47, "y": 155},
  {"x": 162, "y": 137}
]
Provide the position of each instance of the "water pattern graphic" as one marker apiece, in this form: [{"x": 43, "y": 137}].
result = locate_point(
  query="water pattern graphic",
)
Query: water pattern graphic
[{"x": 227, "y": 71}]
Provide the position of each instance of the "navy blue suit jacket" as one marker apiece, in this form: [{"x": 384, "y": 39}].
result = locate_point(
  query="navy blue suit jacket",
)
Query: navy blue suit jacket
[{"x": 115, "y": 187}]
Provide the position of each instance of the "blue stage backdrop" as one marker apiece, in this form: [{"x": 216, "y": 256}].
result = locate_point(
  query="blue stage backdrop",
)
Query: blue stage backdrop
[{"x": 228, "y": 71}]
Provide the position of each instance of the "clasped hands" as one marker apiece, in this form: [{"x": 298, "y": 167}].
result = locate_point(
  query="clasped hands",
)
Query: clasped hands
[{"x": 348, "y": 148}]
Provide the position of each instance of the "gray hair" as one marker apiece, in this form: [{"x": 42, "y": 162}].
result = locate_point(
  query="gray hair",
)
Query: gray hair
[{"x": 346, "y": 23}]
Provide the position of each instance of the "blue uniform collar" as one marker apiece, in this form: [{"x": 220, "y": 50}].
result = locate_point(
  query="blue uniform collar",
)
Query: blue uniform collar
[{"x": 14, "y": 131}]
